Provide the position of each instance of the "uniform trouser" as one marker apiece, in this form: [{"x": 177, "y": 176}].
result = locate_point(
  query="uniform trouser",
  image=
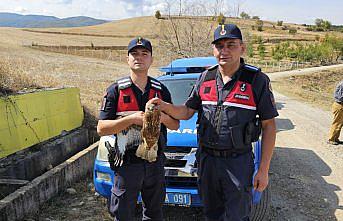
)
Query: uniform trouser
[
  {"x": 129, "y": 180},
  {"x": 337, "y": 123},
  {"x": 225, "y": 186}
]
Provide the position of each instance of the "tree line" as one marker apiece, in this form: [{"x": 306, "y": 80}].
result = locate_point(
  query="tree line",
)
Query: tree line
[{"x": 326, "y": 51}]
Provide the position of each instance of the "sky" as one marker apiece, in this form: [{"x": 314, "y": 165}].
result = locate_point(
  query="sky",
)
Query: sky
[{"x": 295, "y": 11}]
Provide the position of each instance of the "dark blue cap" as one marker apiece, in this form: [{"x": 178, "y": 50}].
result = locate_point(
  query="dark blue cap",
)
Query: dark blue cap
[
  {"x": 227, "y": 31},
  {"x": 139, "y": 42}
]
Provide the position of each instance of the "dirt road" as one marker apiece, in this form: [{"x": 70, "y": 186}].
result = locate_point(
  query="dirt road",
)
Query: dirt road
[{"x": 306, "y": 173}]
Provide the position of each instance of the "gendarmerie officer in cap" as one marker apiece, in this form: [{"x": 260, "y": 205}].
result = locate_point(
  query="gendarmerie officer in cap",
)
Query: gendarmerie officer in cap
[
  {"x": 234, "y": 101},
  {"x": 122, "y": 110}
]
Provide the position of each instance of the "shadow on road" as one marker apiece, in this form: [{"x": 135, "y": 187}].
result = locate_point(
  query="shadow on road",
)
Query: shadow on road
[
  {"x": 298, "y": 190},
  {"x": 283, "y": 124},
  {"x": 279, "y": 105}
]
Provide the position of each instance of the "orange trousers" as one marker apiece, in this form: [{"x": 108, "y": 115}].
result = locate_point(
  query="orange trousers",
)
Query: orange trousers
[{"x": 337, "y": 123}]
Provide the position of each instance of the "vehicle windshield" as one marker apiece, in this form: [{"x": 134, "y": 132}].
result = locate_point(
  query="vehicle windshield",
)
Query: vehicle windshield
[{"x": 179, "y": 89}]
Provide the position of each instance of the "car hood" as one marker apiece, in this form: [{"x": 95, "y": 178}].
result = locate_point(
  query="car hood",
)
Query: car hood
[{"x": 186, "y": 135}]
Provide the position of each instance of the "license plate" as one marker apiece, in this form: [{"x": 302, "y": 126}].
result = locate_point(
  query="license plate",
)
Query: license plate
[
  {"x": 178, "y": 198},
  {"x": 173, "y": 198}
]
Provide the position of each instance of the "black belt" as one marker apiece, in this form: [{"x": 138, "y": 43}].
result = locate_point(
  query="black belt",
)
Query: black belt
[{"x": 221, "y": 153}]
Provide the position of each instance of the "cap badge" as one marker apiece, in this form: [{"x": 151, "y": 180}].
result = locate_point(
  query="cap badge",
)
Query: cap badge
[
  {"x": 139, "y": 41},
  {"x": 223, "y": 31},
  {"x": 243, "y": 87}
]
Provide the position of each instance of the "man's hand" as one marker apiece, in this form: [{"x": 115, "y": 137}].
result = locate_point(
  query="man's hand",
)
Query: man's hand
[
  {"x": 137, "y": 118},
  {"x": 261, "y": 180},
  {"x": 169, "y": 122},
  {"x": 164, "y": 117},
  {"x": 180, "y": 112},
  {"x": 157, "y": 101}
]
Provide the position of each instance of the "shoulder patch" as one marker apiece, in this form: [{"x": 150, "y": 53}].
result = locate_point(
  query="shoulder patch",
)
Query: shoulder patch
[
  {"x": 249, "y": 67},
  {"x": 155, "y": 83},
  {"x": 104, "y": 101},
  {"x": 249, "y": 73},
  {"x": 213, "y": 67},
  {"x": 210, "y": 74},
  {"x": 124, "y": 83}
]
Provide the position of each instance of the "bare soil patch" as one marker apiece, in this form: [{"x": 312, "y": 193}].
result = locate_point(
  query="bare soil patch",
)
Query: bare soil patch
[{"x": 85, "y": 204}]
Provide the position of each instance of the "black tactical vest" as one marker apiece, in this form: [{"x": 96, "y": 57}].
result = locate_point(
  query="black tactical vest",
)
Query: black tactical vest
[{"x": 222, "y": 122}]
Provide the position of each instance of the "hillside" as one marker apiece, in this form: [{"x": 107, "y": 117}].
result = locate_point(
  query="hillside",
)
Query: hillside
[
  {"x": 121, "y": 31},
  {"x": 145, "y": 26},
  {"x": 41, "y": 21},
  {"x": 150, "y": 26}
]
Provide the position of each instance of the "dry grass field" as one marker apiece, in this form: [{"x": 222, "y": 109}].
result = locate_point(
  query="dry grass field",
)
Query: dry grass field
[
  {"x": 93, "y": 75},
  {"x": 316, "y": 89}
]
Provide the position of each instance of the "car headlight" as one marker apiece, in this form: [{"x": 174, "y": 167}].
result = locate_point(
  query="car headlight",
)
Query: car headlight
[
  {"x": 103, "y": 176},
  {"x": 102, "y": 150}
]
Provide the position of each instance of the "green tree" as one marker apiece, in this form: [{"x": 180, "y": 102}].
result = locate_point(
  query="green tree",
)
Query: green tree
[
  {"x": 245, "y": 15},
  {"x": 310, "y": 28},
  {"x": 277, "y": 53},
  {"x": 292, "y": 31},
  {"x": 326, "y": 25},
  {"x": 279, "y": 23},
  {"x": 250, "y": 49},
  {"x": 158, "y": 14},
  {"x": 261, "y": 50},
  {"x": 319, "y": 22},
  {"x": 259, "y": 25},
  {"x": 292, "y": 53},
  {"x": 322, "y": 25},
  {"x": 337, "y": 46},
  {"x": 256, "y": 17},
  {"x": 258, "y": 40}
]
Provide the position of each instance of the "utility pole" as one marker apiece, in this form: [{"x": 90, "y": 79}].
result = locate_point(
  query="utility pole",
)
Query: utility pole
[
  {"x": 237, "y": 10},
  {"x": 180, "y": 7}
]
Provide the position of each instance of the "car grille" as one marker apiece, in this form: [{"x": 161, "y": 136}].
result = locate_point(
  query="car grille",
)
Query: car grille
[
  {"x": 175, "y": 163},
  {"x": 180, "y": 167},
  {"x": 171, "y": 149},
  {"x": 175, "y": 181}
]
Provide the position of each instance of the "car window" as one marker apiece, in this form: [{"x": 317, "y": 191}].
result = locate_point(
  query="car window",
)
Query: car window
[{"x": 179, "y": 89}]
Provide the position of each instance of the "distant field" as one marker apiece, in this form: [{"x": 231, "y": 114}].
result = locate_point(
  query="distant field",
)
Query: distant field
[{"x": 119, "y": 33}]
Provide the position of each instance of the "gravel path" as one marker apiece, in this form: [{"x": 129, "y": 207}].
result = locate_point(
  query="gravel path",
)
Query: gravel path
[{"x": 306, "y": 173}]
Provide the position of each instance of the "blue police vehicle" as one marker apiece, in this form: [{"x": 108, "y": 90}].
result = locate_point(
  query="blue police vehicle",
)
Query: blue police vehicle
[{"x": 180, "y": 167}]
